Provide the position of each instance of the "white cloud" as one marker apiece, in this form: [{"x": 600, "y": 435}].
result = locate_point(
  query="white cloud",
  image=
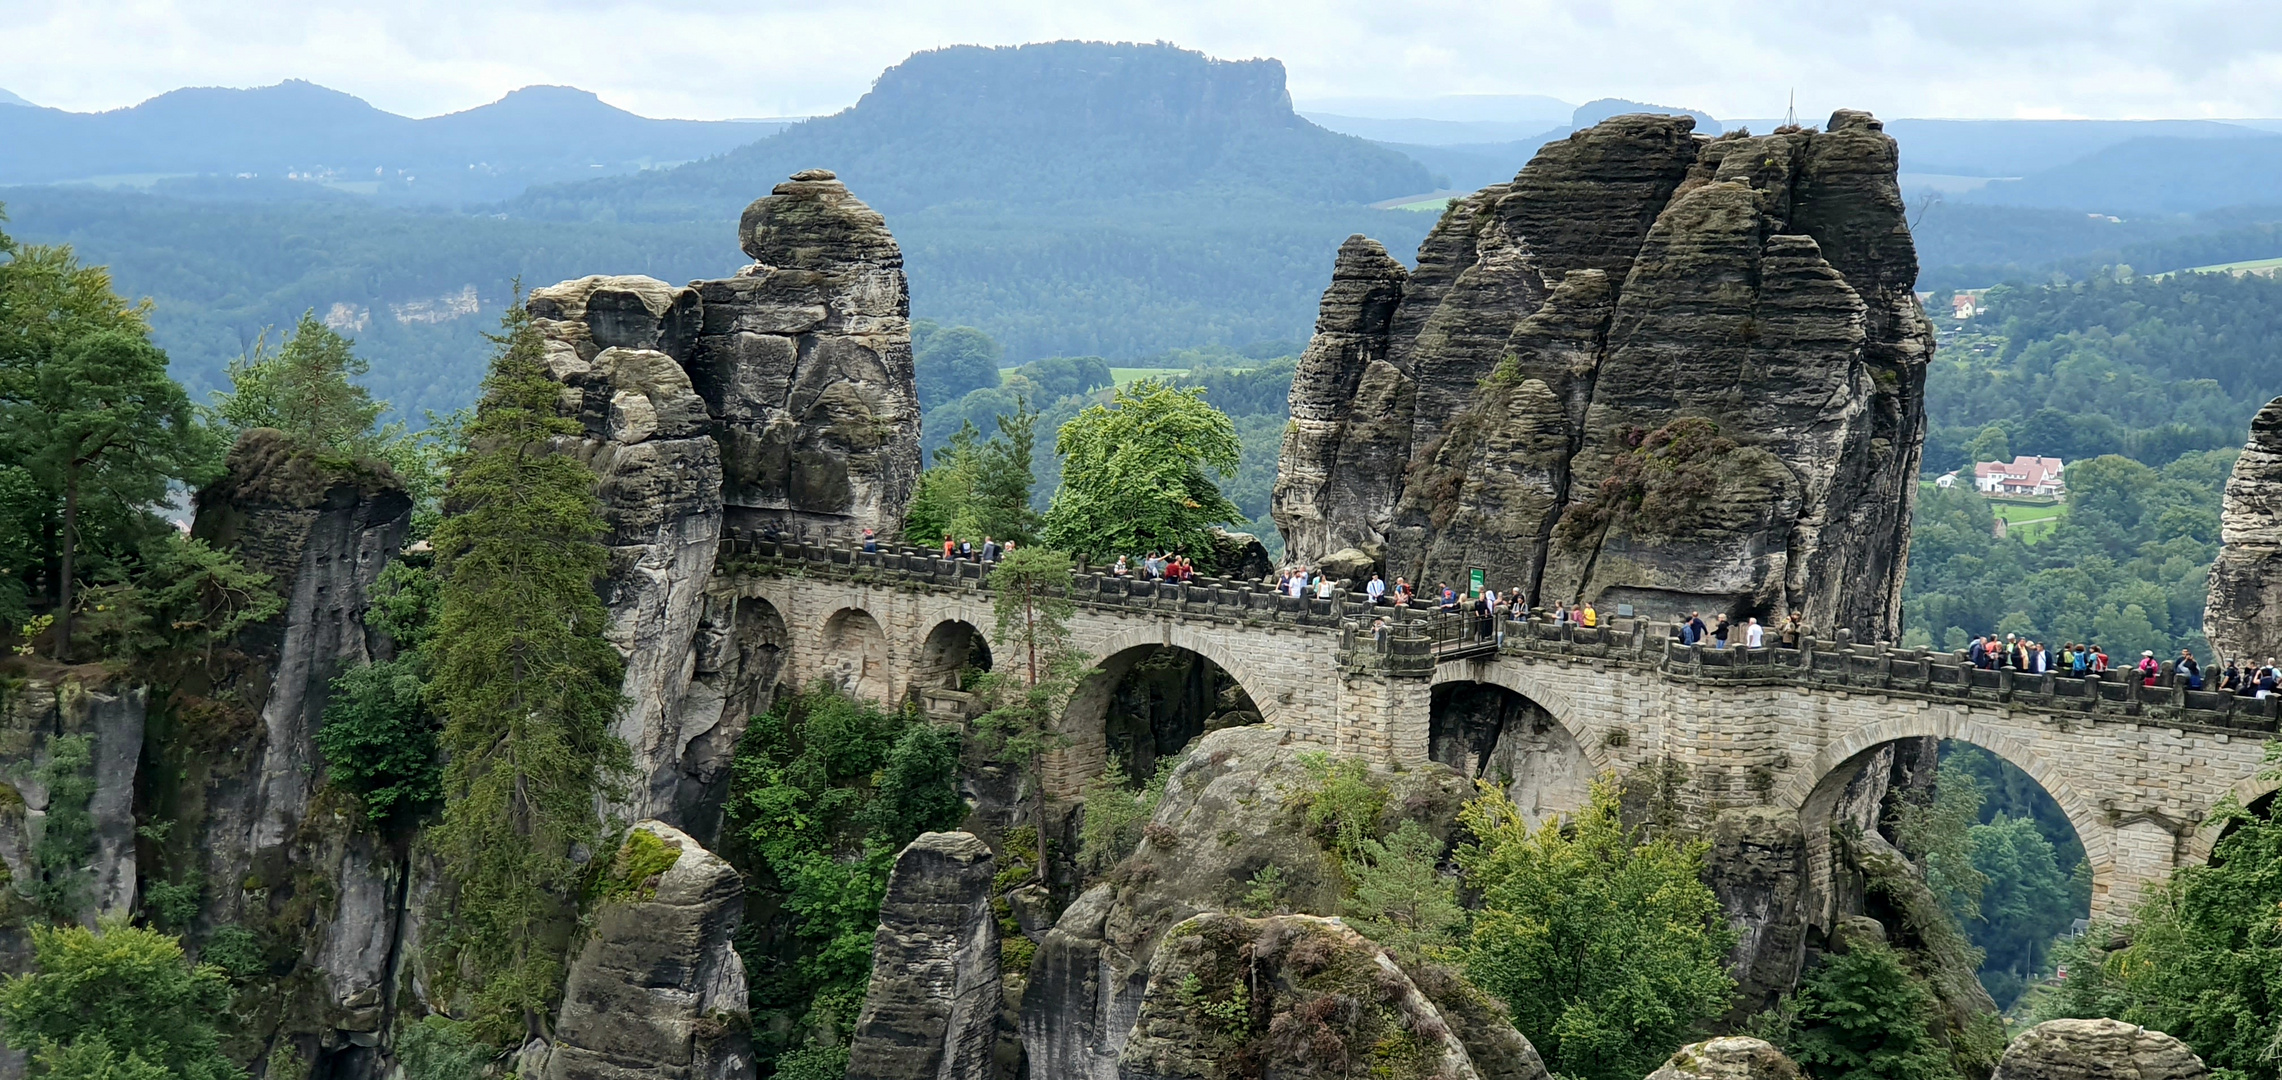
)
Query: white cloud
[{"x": 2097, "y": 58}]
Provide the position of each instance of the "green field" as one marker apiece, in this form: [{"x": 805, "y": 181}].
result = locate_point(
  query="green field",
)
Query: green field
[
  {"x": 2029, "y": 522},
  {"x": 1125, "y": 375},
  {"x": 2265, "y": 267}
]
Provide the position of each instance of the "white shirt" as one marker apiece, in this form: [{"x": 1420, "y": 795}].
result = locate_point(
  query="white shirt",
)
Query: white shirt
[
  {"x": 1323, "y": 589},
  {"x": 1754, "y": 635}
]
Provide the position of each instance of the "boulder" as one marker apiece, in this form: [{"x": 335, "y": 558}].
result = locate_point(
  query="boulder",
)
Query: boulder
[
  {"x": 932, "y": 1009},
  {"x": 1349, "y": 565},
  {"x": 1225, "y": 816},
  {"x": 2097, "y": 1050},
  {"x": 1293, "y": 996},
  {"x": 1654, "y": 369},
  {"x": 2244, "y": 613},
  {"x": 1240, "y": 556},
  {"x": 1734, "y": 1057},
  {"x": 657, "y": 991}
]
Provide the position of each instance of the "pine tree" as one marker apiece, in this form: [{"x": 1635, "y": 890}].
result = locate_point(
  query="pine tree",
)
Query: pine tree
[{"x": 527, "y": 688}]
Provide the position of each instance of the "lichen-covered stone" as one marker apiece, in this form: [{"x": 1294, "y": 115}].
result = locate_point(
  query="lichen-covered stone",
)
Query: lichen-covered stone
[
  {"x": 1297, "y": 996},
  {"x": 2244, "y": 614},
  {"x": 1735, "y": 1057},
  {"x": 1757, "y": 867},
  {"x": 657, "y": 991},
  {"x": 1225, "y": 816},
  {"x": 1509, "y": 413},
  {"x": 931, "y": 1011},
  {"x": 2097, "y": 1050}
]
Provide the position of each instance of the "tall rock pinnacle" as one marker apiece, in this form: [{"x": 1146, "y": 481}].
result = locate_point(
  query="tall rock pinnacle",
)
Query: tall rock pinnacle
[{"x": 1655, "y": 369}]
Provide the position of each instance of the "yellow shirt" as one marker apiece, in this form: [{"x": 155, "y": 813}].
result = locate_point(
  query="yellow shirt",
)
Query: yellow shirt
[{"x": 1588, "y": 616}]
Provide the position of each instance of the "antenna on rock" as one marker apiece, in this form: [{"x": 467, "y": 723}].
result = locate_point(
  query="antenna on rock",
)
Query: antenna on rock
[{"x": 1791, "y": 114}]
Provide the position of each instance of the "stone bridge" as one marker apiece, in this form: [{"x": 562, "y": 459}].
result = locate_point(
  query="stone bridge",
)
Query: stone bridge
[{"x": 2138, "y": 770}]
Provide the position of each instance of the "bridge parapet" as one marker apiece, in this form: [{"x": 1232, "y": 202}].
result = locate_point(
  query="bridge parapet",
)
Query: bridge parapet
[
  {"x": 1839, "y": 665},
  {"x": 1221, "y": 599}
]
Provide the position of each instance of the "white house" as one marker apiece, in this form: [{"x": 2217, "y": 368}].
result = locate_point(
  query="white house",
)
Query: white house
[{"x": 2020, "y": 476}]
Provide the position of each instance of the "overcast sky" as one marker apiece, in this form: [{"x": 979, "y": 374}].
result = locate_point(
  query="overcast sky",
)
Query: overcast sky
[{"x": 1735, "y": 58}]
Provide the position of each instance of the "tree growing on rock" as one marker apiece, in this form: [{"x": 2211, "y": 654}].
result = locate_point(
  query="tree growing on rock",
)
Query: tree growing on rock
[
  {"x": 527, "y": 688},
  {"x": 1608, "y": 946},
  {"x": 1137, "y": 474},
  {"x": 116, "y": 1003}
]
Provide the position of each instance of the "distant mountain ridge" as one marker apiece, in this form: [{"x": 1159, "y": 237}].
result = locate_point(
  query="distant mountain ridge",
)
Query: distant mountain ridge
[
  {"x": 535, "y": 134},
  {"x": 1031, "y": 125},
  {"x": 7, "y": 98}
]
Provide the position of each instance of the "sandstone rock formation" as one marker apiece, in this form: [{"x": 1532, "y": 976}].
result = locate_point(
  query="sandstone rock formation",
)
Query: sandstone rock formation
[
  {"x": 805, "y": 360},
  {"x": 34, "y": 713},
  {"x": 2244, "y": 615},
  {"x": 931, "y": 1011},
  {"x": 780, "y": 399},
  {"x": 1224, "y": 817},
  {"x": 1655, "y": 369},
  {"x": 2097, "y": 1050},
  {"x": 1734, "y": 1057},
  {"x": 1317, "y": 999},
  {"x": 658, "y": 992},
  {"x": 1758, "y": 868},
  {"x": 242, "y": 774},
  {"x": 648, "y": 438}
]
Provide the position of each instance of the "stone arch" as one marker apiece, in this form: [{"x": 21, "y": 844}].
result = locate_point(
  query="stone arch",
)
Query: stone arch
[
  {"x": 852, "y": 654},
  {"x": 2208, "y": 832},
  {"x": 1085, "y": 728},
  {"x": 950, "y": 648},
  {"x": 1488, "y": 731},
  {"x": 1816, "y": 790},
  {"x": 755, "y": 650},
  {"x": 1523, "y": 680}
]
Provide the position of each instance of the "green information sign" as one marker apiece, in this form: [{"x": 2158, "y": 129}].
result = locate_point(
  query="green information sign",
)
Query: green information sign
[{"x": 1474, "y": 580}]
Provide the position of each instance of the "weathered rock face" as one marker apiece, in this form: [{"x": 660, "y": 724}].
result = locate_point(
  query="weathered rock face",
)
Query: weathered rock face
[
  {"x": 1758, "y": 869},
  {"x": 1224, "y": 817},
  {"x": 33, "y": 715},
  {"x": 2097, "y": 1050},
  {"x": 2244, "y": 615},
  {"x": 805, "y": 360},
  {"x": 781, "y": 398},
  {"x": 931, "y": 1011},
  {"x": 1318, "y": 1000},
  {"x": 245, "y": 787},
  {"x": 647, "y": 437},
  {"x": 1511, "y": 403},
  {"x": 1735, "y": 1057},
  {"x": 658, "y": 990}
]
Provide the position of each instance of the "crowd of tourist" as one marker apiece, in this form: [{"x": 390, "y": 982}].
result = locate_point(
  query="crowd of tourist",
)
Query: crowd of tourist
[{"x": 1157, "y": 566}]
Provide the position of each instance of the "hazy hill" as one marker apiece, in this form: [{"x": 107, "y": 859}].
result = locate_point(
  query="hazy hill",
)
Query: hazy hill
[
  {"x": 1028, "y": 126},
  {"x": 299, "y": 129},
  {"x": 7, "y": 98},
  {"x": 2156, "y": 176}
]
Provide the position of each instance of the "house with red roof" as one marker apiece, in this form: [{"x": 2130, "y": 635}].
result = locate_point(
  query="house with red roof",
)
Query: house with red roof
[{"x": 2021, "y": 476}]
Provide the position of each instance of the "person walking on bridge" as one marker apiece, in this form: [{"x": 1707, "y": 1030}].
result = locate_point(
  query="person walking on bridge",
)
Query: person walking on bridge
[{"x": 1754, "y": 635}]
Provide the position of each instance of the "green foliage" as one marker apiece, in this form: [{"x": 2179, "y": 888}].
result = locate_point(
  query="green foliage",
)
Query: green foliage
[
  {"x": 823, "y": 791},
  {"x": 1864, "y": 1016},
  {"x": 435, "y": 1048},
  {"x": 304, "y": 390},
  {"x": 634, "y": 870},
  {"x": 814, "y": 1061},
  {"x": 2028, "y": 903},
  {"x": 117, "y": 1002},
  {"x": 1264, "y": 892},
  {"x": 1030, "y": 601},
  {"x": 1341, "y": 803},
  {"x": 2126, "y": 567},
  {"x": 1938, "y": 835},
  {"x": 236, "y": 950},
  {"x": 949, "y": 363},
  {"x": 1402, "y": 899},
  {"x": 1114, "y": 815},
  {"x": 403, "y": 602},
  {"x": 527, "y": 688},
  {"x": 2204, "y": 955},
  {"x": 1135, "y": 473},
  {"x": 978, "y": 490},
  {"x": 172, "y": 904},
  {"x": 1608, "y": 947},
  {"x": 379, "y": 740},
  {"x": 59, "y": 877}
]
